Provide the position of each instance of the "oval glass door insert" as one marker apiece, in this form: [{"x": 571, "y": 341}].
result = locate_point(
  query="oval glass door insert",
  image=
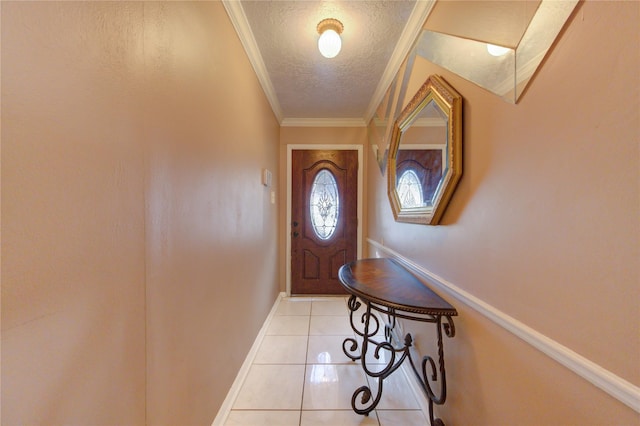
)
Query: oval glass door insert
[
  {"x": 410, "y": 190},
  {"x": 324, "y": 203}
]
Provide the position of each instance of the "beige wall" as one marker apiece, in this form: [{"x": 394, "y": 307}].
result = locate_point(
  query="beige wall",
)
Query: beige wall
[
  {"x": 543, "y": 227},
  {"x": 73, "y": 334},
  {"x": 211, "y": 228},
  {"x": 139, "y": 247}
]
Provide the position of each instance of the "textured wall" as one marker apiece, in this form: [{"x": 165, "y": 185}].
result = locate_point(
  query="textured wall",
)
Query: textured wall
[
  {"x": 139, "y": 246},
  {"x": 543, "y": 227},
  {"x": 73, "y": 347},
  {"x": 211, "y": 228}
]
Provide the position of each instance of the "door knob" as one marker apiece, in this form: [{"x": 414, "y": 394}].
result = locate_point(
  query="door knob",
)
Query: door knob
[
  {"x": 295, "y": 223},
  {"x": 295, "y": 234}
]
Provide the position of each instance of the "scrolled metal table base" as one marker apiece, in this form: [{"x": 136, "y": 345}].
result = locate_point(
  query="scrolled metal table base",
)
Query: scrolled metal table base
[{"x": 364, "y": 400}]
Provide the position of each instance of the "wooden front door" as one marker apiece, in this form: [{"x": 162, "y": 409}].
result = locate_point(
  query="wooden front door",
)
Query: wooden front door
[
  {"x": 426, "y": 166},
  {"x": 324, "y": 218}
]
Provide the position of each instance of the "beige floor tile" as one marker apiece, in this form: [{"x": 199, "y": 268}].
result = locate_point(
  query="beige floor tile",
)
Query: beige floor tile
[
  {"x": 337, "y": 418},
  {"x": 330, "y": 386},
  {"x": 330, "y": 326},
  {"x": 288, "y": 325},
  {"x": 330, "y": 306},
  {"x": 263, "y": 418},
  {"x": 282, "y": 350},
  {"x": 326, "y": 350},
  {"x": 396, "y": 393},
  {"x": 293, "y": 306},
  {"x": 271, "y": 387},
  {"x": 402, "y": 417}
]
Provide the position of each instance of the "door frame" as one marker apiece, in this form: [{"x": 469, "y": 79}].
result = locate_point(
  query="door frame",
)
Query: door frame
[{"x": 287, "y": 230}]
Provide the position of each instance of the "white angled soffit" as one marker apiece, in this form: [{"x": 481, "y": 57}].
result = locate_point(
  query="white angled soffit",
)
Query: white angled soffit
[
  {"x": 241, "y": 25},
  {"x": 408, "y": 37}
]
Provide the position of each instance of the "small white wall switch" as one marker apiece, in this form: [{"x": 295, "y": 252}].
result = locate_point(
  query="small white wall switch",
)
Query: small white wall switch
[
  {"x": 266, "y": 177},
  {"x": 273, "y": 197}
]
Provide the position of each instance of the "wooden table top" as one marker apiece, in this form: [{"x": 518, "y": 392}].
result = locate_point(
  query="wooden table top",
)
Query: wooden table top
[{"x": 383, "y": 281}]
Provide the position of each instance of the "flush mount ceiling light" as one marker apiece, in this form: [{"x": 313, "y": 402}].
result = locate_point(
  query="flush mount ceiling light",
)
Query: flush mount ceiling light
[{"x": 329, "y": 42}]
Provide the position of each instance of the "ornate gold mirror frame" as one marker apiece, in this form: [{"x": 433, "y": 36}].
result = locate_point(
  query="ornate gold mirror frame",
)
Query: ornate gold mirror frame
[{"x": 425, "y": 155}]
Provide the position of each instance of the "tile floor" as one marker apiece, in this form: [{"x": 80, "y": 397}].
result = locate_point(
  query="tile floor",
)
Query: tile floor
[{"x": 300, "y": 376}]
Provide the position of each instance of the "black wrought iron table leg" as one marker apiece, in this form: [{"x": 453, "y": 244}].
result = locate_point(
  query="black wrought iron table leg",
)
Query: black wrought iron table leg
[
  {"x": 386, "y": 287},
  {"x": 363, "y": 400},
  {"x": 436, "y": 375}
]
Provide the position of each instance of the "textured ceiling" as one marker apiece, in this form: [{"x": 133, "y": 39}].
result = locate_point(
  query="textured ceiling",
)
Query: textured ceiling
[{"x": 300, "y": 82}]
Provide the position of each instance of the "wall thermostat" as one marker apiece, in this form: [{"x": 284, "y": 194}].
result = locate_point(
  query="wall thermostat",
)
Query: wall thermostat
[{"x": 266, "y": 177}]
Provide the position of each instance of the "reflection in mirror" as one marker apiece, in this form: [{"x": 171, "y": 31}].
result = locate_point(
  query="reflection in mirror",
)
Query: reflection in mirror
[
  {"x": 474, "y": 63},
  {"x": 425, "y": 157},
  {"x": 421, "y": 156},
  {"x": 474, "y": 58},
  {"x": 379, "y": 129}
]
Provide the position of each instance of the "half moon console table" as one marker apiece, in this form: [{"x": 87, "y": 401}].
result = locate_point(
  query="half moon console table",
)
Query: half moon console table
[{"x": 384, "y": 286}]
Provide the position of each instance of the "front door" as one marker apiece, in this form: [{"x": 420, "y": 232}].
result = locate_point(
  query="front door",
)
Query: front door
[{"x": 324, "y": 218}]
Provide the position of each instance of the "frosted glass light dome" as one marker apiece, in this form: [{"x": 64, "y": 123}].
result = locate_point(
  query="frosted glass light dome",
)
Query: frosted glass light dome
[{"x": 329, "y": 43}]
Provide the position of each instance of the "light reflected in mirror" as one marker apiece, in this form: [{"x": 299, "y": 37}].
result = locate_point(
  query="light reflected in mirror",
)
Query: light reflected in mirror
[
  {"x": 506, "y": 75},
  {"x": 473, "y": 62},
  {"x": 425, "y": 157}
]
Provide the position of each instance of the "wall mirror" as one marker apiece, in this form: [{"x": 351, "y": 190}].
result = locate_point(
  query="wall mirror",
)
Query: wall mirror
[
  {"x": 425, "y": 155},
  {"x": 496, "y": 45},
  {"x": 379, "y": 128}
]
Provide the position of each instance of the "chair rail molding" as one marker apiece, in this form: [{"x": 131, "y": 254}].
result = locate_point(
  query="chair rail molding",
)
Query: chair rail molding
[{"x": 614, "y": 385}]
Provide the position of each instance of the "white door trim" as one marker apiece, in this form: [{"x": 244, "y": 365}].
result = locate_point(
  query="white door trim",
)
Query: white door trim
[{"x": 290, "y": 148}]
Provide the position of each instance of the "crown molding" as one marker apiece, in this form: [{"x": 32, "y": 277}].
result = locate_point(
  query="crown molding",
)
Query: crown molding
[
  {"x": 408, "y": 37},
  {"x": 323, "y": 122},
  {"x": 241, "y": 25}
]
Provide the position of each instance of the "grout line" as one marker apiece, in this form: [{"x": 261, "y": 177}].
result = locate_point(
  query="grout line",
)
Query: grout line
[{"x": 306, "y": 357}]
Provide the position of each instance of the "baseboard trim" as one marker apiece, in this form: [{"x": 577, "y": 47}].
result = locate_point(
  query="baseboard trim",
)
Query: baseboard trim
[
  {"x": 617, "y": 387},
  {"x": 225, "y": 408}
]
